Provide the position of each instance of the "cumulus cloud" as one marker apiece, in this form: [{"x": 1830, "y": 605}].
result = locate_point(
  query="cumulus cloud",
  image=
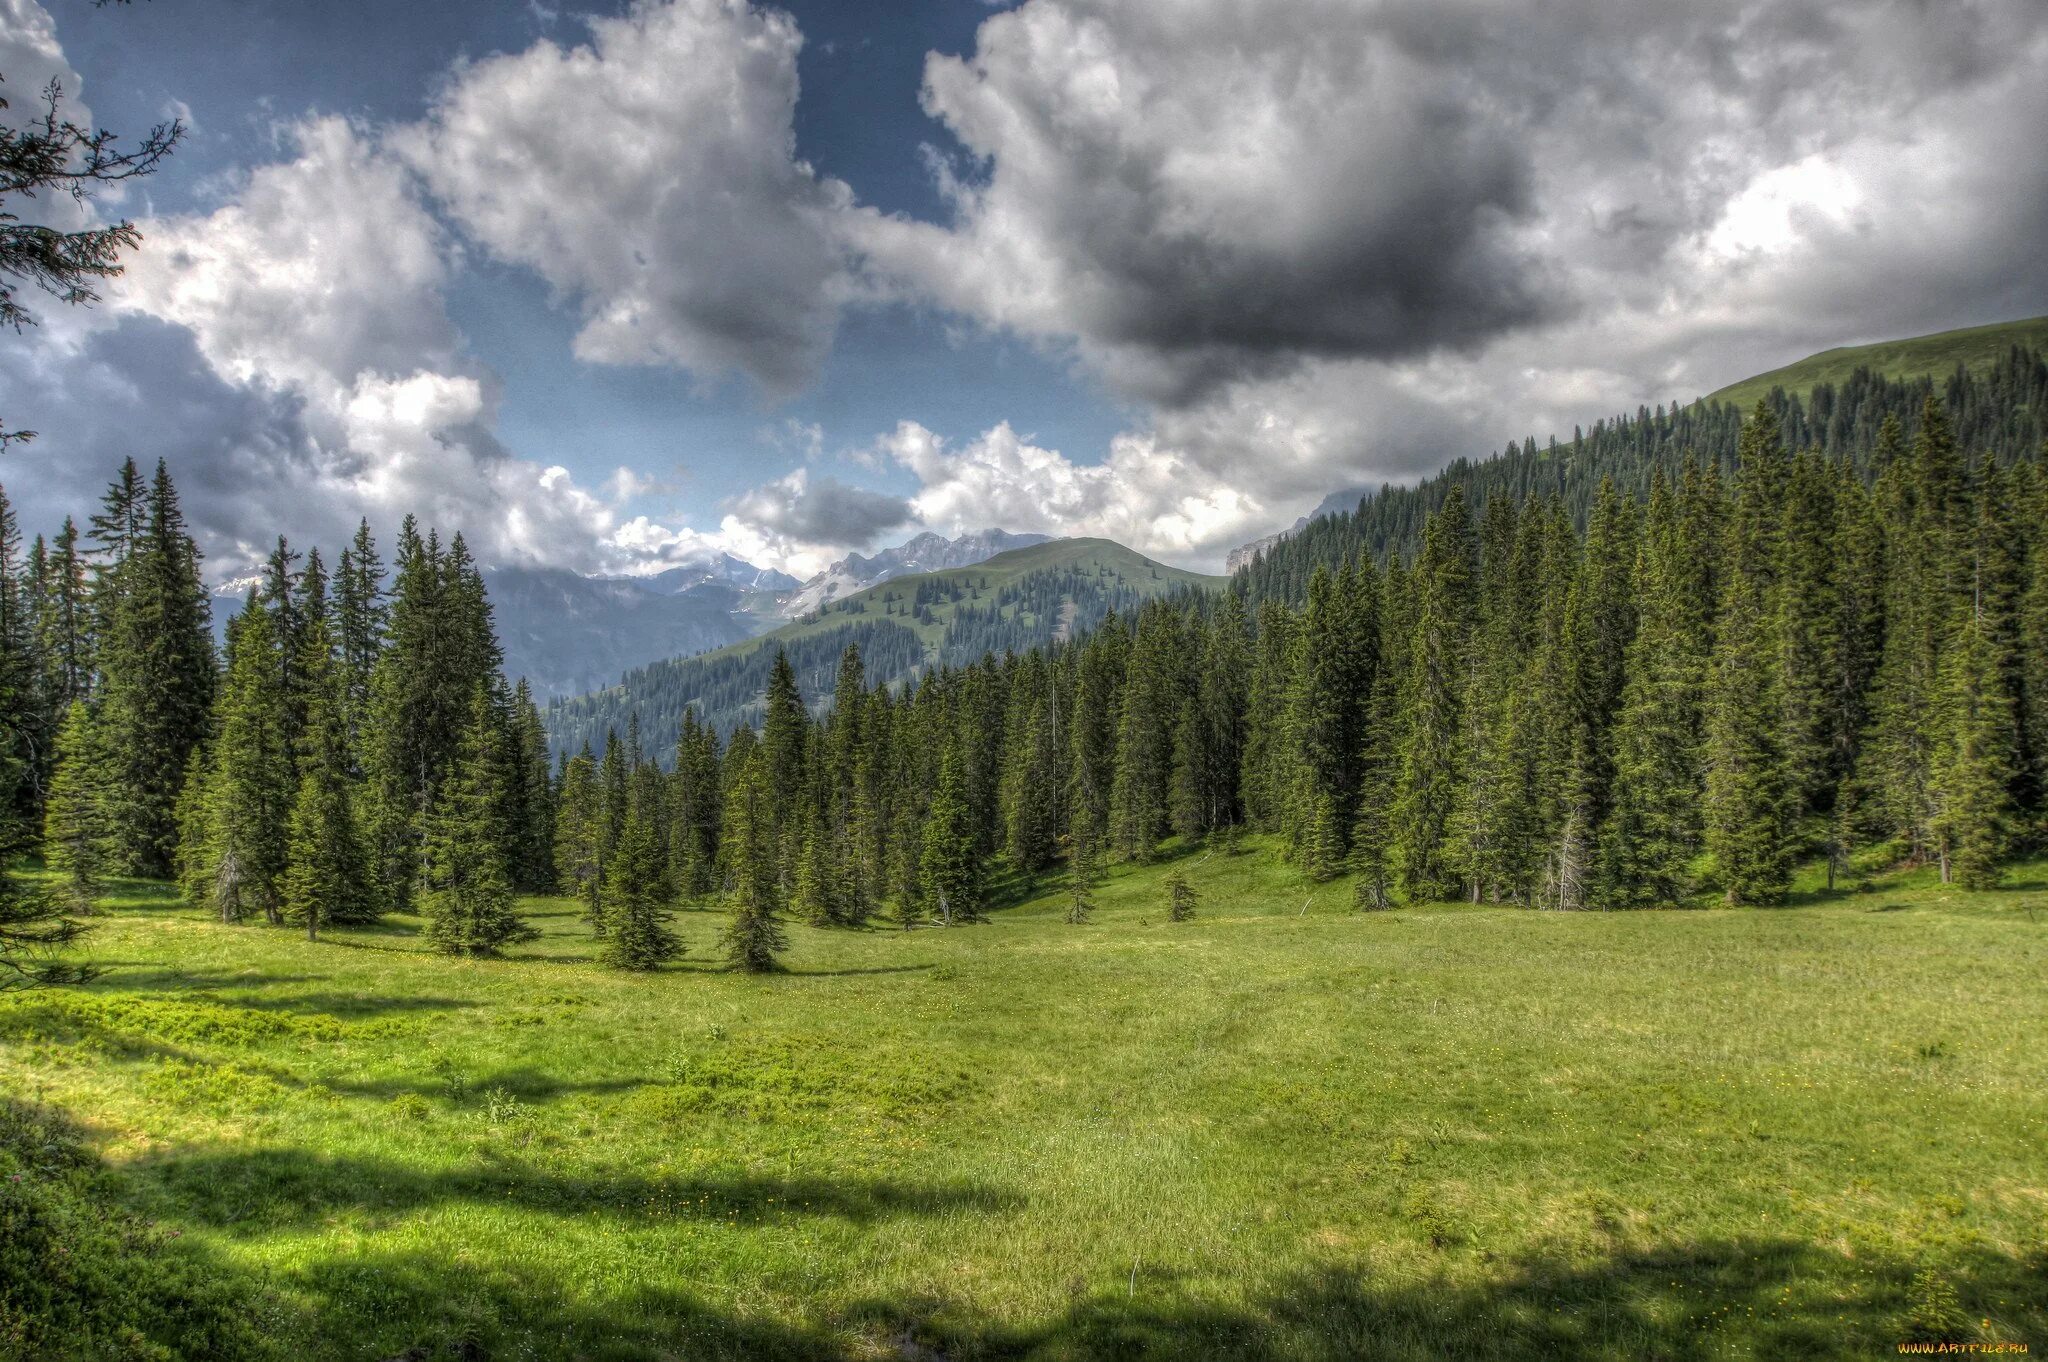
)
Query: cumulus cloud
[
  {"x": 1324, "y": 242},
  {"x": 650, "y": 176},
  {"x": 314, "y": 296},
  {"x": 1144, "y": 494},
  {"x": 1198, "y": 193}
]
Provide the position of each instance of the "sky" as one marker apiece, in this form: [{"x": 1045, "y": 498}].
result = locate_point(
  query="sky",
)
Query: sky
[{"x": 611, "y": 287}]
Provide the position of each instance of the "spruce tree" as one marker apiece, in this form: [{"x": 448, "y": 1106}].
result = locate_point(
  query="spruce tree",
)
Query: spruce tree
[
  {"x": 1972, "y": 762},
  {"x": 813, "y": 899},
  {"x": 637, "y": 894},
  {"x": 1652, "y": 831},
  {"x": 949, "y": 864},
  {"x": 1432, "y": 756},
  {"x": 251, "y": 787},
  {"x": 465, "y": 889},
  {"x": 1180, "y": 898},
  {"x": 1751, "y": 801},
  {"x": 327, "y": 863},
  {"x": 77, "y": 831},
  {"x": 1085, "y": 875},
  {"x": 159, "y": 679},
  {"x": 578, "y": 835},
  {"x": 753, "y": 938}
]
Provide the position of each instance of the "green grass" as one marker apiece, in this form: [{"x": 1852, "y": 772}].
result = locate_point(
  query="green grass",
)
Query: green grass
[
  {"x": 1281, "y": 1130},
  {"x": 1936, "y": 356}
]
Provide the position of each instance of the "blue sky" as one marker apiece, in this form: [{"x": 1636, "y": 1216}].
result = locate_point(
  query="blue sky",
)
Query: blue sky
[
  {"x": 611, "y": 286},
  {"x": 241, "y": 67}
]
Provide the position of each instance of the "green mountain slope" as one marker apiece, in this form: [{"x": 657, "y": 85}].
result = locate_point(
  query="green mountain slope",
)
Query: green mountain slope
[
  {"x": 903, "y": 627},
  {"x": 1975, "y": 348}
]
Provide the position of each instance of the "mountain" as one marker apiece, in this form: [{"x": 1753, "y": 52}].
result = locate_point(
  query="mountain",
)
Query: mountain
[
  {"x": 1975, "y": 349},
  {"x": 928, "y": 552},
  {"x": 722, "y": 570},
  {"x": 567, "y": 633},
  {"x": 903, "y": 626}
]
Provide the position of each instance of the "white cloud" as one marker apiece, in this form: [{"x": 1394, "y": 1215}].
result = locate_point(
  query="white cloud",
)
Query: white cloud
[
  {"x": 320, "y": 282},
  {"x": 650, "y": 176},
  {"x": 1144, "y": 494}
]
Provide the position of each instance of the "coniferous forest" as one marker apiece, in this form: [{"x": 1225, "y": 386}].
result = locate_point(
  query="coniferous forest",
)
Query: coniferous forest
[{"x": 1798, "y": 656}]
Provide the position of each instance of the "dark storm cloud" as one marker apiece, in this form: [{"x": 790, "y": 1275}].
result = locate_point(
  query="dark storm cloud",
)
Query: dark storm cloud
[
  {"x": 140, "y": 389},
  {"x": 821, "y": 511},
  {"x": 1202, "y": 192}
]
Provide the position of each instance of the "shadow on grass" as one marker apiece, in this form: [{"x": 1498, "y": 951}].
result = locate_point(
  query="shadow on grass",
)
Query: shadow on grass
[
  {"x": 1758, "y": 1297},
  {"x": 527, "y": 1085},
  {"x": 266, "y": 1190},
  {"x": 87, "y": 1259}
]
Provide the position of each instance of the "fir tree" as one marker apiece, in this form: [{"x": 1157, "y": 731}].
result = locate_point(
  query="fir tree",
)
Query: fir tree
[
  {"x": 1180, "y": 898},
  {"x": 159, "y": 679},
  {"x": 578, "y": 835},
  {"x": 1432, "y": 759},
  {"x": 251, "y": 786},
  {"x": 949, "y": 863},
  {"x": 637, "y": 894},
  {"x": 1751, "y": 801},
  {"x": 753, "y": 937},
  {"x": 327, "y": 864},
  {"x": 465, "y": 883},
  {"x": 77, "y": 832}
]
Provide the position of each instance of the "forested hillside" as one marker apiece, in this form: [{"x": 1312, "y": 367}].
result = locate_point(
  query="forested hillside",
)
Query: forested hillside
[
  {"x": 1999, "y": 410},
  {"x": 1007, "y": 603}
]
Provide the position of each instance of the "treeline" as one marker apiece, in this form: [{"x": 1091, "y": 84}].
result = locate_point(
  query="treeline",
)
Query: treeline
[
  {"x": 356, "y": 750},
  {"x": 1810, "y": 658},
  {"x": 2000, "y": 413},
  {"x": 1691, "y": 696}
]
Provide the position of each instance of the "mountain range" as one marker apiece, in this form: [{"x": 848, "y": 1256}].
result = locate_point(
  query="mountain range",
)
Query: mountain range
[{"x": 904, "y": 625}]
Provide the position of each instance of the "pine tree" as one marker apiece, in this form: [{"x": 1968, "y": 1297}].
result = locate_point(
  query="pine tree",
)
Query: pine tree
[
  {"x": 813, "y": 898},
  {"x": 1432, "y": 759},
  {"x": 1180, "y": 898},
  {"x": 77, "y": 831},
  {"x": 1140, "y": 787},
  {"x": 948, "y": 862},
  {"x": 753, "y": 937},
  {"x": 361, "y": 618},
  {"x": 1084, "y": 876},
  {"x": 159, "y": 678},
  {"x": 637, "y": 895},
  {"x": 327, "y": 864},
  {"x": 1652, "y": 831},
  {"x": 1751, "y": 801},
  {"x": 465, "y": 884},
  {"x": 251, "y": 787},
  {"x": 578, "y": 834},
  {"x": 1972, "y": 762}
]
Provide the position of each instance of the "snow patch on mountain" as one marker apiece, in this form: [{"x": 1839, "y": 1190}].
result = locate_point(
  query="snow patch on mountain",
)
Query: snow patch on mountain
[{"x": 927, "y": 552}]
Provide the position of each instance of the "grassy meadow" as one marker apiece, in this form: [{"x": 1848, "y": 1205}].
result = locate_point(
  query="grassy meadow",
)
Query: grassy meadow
[{"x": 1281, "y": 1130}]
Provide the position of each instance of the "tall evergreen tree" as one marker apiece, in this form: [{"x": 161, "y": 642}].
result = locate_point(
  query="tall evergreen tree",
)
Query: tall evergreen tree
[
  {"x": 949, "y": 862},
  {"x": 753, "y": 937},
  {"x": 77, "y": 829},
  {"x": 465, "y": 887},
  {"x": 1432, "y": 759},
  {"x": 159, "y": 676},
  {"x": 251, "y": 786},
  {"x": 1751, "y": 800},
  {"x": 637, "y": 894}
]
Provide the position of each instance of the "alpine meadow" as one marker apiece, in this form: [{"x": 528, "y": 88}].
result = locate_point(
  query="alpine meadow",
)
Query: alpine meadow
[{"x": 1584, "y": 901}]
